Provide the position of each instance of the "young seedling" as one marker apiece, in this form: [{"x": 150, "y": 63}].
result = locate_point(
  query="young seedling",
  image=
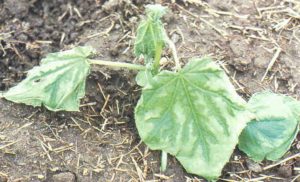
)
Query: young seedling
[{"x": 192, "y": 113}]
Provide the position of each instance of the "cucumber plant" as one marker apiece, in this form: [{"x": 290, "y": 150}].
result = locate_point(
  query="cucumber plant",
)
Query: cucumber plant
[{"x": 192, "y": 113}]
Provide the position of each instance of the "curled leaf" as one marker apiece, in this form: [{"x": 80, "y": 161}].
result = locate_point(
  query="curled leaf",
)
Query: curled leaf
[
  {"x": 58, "y": 83},
  {"x": 151, "y": 34},
  {"x": 271, "y": 134}
]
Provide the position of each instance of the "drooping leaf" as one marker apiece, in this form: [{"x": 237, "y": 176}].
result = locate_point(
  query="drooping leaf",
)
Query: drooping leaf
[
  {"x": 271, "y": 134},
  {"x": 151, "y": 34},
  {"x": 58, "y": 83},
  {"x": 194, "y": 114}
]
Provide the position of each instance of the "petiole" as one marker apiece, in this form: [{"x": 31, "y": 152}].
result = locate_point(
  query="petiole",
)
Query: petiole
[{"x": 117, "y": 64}]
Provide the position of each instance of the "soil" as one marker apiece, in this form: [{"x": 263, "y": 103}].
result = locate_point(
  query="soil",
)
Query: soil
[{"x": 101, "y": 143}]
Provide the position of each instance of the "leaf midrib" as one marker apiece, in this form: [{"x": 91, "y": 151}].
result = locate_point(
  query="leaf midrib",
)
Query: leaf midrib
[{"x": 191, "y": 105}]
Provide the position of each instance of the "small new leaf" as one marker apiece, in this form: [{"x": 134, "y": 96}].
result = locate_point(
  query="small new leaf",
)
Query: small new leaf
[
  {"x": 271, "y": 134},
  {"x": 151, "y": 34},
  {"x": 143, "y": 77},
  {"x": 194, "y": 114},
  {"x": 58, "y": 83},
  {"x": 155, "y": 11}
]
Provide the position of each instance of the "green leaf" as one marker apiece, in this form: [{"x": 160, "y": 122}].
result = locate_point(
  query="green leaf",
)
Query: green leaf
[
  {"x": 194, "y": 114},
  {"x": 143, "y": 77},
  {"x": 151, "y": 34},
  {"x": 58, "y": 83},
  {"x": 271, "y": 134},
  {"x": 155, "y": 11}
]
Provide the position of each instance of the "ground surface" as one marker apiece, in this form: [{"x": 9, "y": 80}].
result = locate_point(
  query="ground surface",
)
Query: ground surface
[{"x": 101, "y": 142}]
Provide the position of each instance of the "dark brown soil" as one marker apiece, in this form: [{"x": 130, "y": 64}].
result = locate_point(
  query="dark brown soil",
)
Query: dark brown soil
[{"x": 101, "y": 143}]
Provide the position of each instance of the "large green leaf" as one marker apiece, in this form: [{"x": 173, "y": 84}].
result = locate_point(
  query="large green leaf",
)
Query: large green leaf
[
  {"x": 151, "y": 34},
  {"x": 271, "y": 134},
  {"x": 58, "y": 83},
  {"x": 194, "y": 114}
]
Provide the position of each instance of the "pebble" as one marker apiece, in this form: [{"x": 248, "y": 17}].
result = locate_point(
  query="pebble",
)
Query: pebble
[
  {"x": 175, "y": 38},
  {"x": 262, "y": 58},
  {"x": 239, "y": 47},
  {"x": 64, "y": 177},
  {"x": 253, "y": 166}
]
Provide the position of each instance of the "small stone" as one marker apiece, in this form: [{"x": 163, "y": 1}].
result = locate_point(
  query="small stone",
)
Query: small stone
[
  {"x": 175, "y": 38},
  {"x": 64, "y": 177},
  {"x": 285, "y": 171},
  {"x": 237, "y": 157},
  {"x": 241, "y": 63},
  {"x": 239, "y": 47},
  {"x": 163, "y": 61},
  {"x": 262, "y": 58},
  {"x": 245, "y": 61},
  {"x": 253, "y": 166},
  {"x": 261, "y": 61},
  {"x": 117, "y": 26}
]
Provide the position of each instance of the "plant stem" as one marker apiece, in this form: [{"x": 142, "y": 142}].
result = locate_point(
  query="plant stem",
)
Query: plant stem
[
  {"x": 164, "y": 161},
  {"x": 156, "y": 63},
  {"x": 117, "y": 64},
  {"x": 174, "y": 53}
]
